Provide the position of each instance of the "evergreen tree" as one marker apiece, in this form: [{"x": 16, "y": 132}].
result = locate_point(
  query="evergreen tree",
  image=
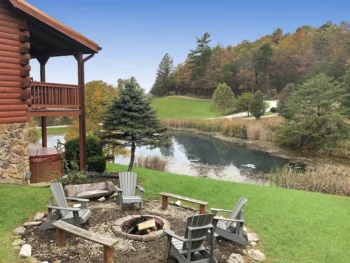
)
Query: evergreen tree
[
  {"x": 223, "y": 98},
  {"x": 346, "y": 100},
  {"x": 283, "y": 98},
  {"x": 131, "y": 121},
  {"x": 164, "y": 80},
  {"x": 242, "y": 103},
  {"x": 257, "y": 106},
  {"x": 317, "y": 123},
  {"x": 199, "y": 58}
]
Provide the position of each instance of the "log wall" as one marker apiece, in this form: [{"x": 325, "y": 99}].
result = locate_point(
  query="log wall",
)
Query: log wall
[{"x": 14, "y": 66}]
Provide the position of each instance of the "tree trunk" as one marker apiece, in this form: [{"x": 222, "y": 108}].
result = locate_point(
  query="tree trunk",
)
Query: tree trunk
[{"x": 132, "y": 157}]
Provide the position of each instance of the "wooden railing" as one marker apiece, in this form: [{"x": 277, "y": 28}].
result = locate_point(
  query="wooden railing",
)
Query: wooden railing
[{"x": 52, "y": 95}]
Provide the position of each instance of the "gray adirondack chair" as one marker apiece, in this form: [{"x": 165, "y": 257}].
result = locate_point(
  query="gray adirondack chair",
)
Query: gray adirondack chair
[
  {"x": 196, "y": 233},
  {"x": 127, "y": 189},
  {"x": 224, "y": 226},
  {"x": 75, "y": 216}
]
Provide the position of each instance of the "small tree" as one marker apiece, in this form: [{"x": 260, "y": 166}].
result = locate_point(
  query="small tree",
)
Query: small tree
[
  {"x": 223, "y": 98},
  {"x": 257, "y": 106},
  {"x": 242, "y": 103},
  {"x": 283, "y": 97},
  {"x": 131, "y": 121}
]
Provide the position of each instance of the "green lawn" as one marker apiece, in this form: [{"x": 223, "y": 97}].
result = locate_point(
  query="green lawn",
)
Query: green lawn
[
  {"x": 294, "y": 226},
  {"x": 17, "y": 203},
  {"x": 54, "y": 130},
  {"x": 175, "y": 107}
]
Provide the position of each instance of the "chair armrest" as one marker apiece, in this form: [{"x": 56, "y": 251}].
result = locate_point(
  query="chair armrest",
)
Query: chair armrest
[
  {"x": 78, "y": 199},
  {"x": 172, "y": 234},
  {"x": 64, "y": 208},
  {"x": 140, "y": 188},
  {"x": 220, "y": 210},
  {"x": 118, "y": 189},
  {"x": 227, "y": 219}
]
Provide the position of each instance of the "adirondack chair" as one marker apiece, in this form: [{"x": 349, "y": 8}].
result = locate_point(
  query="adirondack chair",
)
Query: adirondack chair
[
  {"x": 226, "y": 229},
  {"x": 127, "y": 189},
  {"x": 196, "y": 233},
  {"x": 75, "y": 216}
]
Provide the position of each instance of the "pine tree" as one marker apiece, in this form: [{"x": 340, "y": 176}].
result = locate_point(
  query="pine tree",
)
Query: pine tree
[
  {"x": 346, "y": 100},
  {"x": 164, "y": 80},
  {"x": 223, "y": 98},
  {"x": 257, "y": 106},
  {"x": 131, "y": 121},
  {"x": 199, "y": 58}
]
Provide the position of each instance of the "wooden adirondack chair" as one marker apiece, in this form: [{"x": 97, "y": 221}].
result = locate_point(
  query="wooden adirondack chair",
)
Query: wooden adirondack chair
[
  {"x": 227, "y": 230},
  {"x": 127, "y": 189},
  {"x": 75, "y": 216},
  {"x": 196, "y": 233}
]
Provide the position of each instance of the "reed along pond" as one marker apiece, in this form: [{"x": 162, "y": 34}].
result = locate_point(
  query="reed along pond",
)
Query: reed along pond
[{"x": 202, "y": 155}]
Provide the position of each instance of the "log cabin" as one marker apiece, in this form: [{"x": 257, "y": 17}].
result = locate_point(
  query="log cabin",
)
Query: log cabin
[{"x": 27, "y": 33}]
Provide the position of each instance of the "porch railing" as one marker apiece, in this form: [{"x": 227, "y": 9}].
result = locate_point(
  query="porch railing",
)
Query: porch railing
[{"x": 52, "y": 95}]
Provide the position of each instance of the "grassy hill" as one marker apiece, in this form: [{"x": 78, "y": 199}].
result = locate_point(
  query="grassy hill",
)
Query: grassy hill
[{"x": 182, "y": 107}]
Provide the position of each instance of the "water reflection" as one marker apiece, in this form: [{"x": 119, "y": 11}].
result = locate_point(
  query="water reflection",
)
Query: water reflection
[{"x": 205, "y": 156}]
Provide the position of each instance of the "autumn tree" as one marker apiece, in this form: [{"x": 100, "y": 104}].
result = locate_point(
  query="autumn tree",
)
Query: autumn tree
[
  {"x": 223, "y": 98},
  {"x": 257, "y": 106},
  {"x": 131, "y": 121},
  {"x": 98, "y": 95},
  {"x": 164, "y": 79}
]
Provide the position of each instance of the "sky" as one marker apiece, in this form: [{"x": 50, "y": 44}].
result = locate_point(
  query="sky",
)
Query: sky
[{"x": 136, "y": 34}]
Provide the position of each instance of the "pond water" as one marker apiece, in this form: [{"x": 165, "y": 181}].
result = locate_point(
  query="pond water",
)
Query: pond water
[{"x": 203, "y": 155}]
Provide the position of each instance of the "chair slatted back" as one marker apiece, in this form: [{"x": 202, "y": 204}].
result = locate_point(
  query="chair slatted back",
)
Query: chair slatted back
[
  {"x": 198, "y": 221},
  {"x": 60, "y": 197},
  {"x": 128, "y": 183},
  {"x": 239, "y": 206}
]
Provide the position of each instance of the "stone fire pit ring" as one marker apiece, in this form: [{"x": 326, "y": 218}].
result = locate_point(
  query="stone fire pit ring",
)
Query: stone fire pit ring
[{"x": 118, "y": 225}]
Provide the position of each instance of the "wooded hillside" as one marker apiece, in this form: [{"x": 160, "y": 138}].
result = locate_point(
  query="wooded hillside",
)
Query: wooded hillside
[{"x": 267, "y": 64}]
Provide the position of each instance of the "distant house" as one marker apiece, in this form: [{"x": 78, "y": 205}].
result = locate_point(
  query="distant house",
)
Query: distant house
[{"x": 26, "y": 33}]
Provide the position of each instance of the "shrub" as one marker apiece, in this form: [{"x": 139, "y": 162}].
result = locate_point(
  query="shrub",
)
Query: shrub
[
  {"x": 96, "y": 164},
  {"x": 152, "y": 162},
  {"x": 74, "y": 177},
  {"x": 257, "y": 105},
  {"x": 273, "y": 109},
  {"x": 94, "y": 148}
]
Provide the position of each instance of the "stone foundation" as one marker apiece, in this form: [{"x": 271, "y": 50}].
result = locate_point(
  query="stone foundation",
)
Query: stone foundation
[{"x": 14, "y": 153}]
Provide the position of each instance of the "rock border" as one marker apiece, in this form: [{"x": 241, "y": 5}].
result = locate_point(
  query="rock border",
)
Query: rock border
[{"x": 117, "y": 228}]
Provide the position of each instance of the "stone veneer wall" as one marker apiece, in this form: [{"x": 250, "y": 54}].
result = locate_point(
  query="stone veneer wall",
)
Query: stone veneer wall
[{"x": 14, "y": 153}]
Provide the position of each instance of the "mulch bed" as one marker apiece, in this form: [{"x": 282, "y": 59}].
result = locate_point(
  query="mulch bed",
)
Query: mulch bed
[{"x": 127, "y": 251}]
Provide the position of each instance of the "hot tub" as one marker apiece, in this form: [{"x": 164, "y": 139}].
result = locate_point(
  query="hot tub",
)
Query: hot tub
[{"x": 45, "y": 164}]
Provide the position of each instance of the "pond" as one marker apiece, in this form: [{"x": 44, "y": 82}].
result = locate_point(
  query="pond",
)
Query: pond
[{"x": 205, "y": 156}]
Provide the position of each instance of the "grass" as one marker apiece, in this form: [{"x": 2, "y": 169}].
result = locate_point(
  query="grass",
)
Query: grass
[
  {"x": 54, "y": 130},
  {"x": 178, "y": 107},
  {"x": 17, "y": 203},
  {"x": 294, "y": 226}
]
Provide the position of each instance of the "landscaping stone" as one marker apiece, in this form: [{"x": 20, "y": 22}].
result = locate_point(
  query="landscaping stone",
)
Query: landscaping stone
[
  {"x": 178, "y": 203},
  {"x": 34, "y": 223},
  {"x": 19, "y": 231},
  {"x": 245, "y": 229},
  {"x": 93, "y": 190},
  {"x": 256, "y": 255},
  {"x": 39, "y": 216},
  {"x": 235, "y": 258},
  {"x": 102, "y": 199},
  {"x": 26, "y": 251},
  {"x": 77, "y": 206},
  {"x": 253, "y": 244},
  {"x": 18, "y": 242},
  {"x": 252, "y": 237}
]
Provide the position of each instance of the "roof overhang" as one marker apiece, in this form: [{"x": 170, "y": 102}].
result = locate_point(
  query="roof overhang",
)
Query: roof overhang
[{"x": 51, "y": 36}]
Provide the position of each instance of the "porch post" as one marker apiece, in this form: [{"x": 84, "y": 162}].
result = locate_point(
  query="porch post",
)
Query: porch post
[
  {"x": 43, "y": 61},
  {"x": 82, "y": 124}
]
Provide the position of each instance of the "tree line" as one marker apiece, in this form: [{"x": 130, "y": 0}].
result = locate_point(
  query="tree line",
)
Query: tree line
[{"x": 267, "y": 64}]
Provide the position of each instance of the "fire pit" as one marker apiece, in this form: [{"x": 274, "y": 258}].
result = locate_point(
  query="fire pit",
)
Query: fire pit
[{"x": 143, "y": 228}]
